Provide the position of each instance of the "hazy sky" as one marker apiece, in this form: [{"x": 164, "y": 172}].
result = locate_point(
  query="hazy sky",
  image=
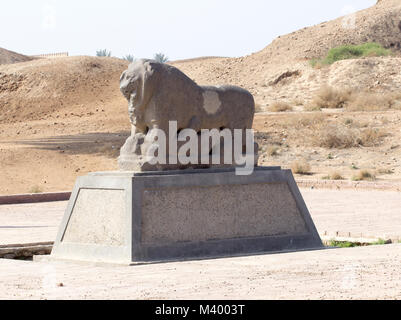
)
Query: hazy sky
[{"x": 178, "y": 28}]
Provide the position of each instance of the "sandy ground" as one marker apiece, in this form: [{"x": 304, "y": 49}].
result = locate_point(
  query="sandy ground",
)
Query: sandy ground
[
  {"x": 48, "y": 155},
  {"x": 358, "y": 273}
]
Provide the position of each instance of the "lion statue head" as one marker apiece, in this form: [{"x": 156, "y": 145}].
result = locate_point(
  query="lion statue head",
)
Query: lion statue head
[{"x": 137, "y": 87}]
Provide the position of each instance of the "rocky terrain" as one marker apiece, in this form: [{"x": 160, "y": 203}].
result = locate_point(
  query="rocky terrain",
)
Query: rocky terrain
[{"x": 64, "y": 117}]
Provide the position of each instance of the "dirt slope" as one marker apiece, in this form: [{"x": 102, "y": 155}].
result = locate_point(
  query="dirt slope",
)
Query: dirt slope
[
  {"x": 9, "y": 57},
  {"x": 38, "y": 89},
  {"x": 282, "y": 71}
]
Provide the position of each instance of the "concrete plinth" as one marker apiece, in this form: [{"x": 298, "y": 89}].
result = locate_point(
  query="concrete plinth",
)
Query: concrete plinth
[{"x": 131, "y": 218}]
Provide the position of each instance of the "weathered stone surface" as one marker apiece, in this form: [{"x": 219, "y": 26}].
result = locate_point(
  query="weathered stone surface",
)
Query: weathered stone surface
[
  {"x": 220, "y": 212},
  {"x": 158, "y": 93},
  {"x": 98, "y": 218}
]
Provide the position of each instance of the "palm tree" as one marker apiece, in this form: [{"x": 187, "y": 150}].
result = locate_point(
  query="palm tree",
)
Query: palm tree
[
  {"x": 160, "y": 57},
  {"x": 103, "y": 53}
]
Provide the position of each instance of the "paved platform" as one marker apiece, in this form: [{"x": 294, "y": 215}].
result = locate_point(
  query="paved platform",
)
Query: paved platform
[
  {"x": 357, "y": 273},
  {"x": 30, "y": 223},
  {"x": 355, "y": 213},
  {"x": 346, "y": 213}
]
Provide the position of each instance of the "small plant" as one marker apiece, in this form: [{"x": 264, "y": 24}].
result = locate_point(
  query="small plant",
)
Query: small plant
[
  {"x": 349, "y": 244},
  {"x": 364, "y": 175},
  {"x": 301, "y": 167},
  {"x": 343, "y": 244},
  {"x": 103, "y": 53},
  {"x": 280, "y": 107},
  {"x": 129, "y": 57},
  {"x": 380, "y": 242},
  {"x": 35, "y": 189},
  {"x": 160, "y": 57},
  {"x": 354, "y": 167},
  {"x": 330, "y": 157}
]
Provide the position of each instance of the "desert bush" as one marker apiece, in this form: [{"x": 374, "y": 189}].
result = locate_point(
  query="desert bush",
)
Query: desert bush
[
  {"x": 343, "y": 137},
  {"x": 338, "y": 137},
  {"x": 103, "y": 53},
  {"x": 336, "y": 176},
  {"x": 280, "y": 107},
  {"x": 301, "y": 167},
  {"x": 351, "y": 100},
  {"x": 370, "y": 137},
  {"x": 372, "y": 101},
  {"x": 370, "y": 49},
  {"x": 364, "y": 175},
  {"x": 160, "y": 57},
  {"x": 329, "y": 97}
]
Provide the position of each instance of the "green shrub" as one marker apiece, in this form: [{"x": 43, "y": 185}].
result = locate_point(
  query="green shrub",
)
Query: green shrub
[
  {"x": 343, "y": 244},
  {"x": 369, "y": 49}
]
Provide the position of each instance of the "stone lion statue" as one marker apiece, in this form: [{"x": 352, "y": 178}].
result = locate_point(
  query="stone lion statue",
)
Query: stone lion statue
[{"x": 158, "y": 93}]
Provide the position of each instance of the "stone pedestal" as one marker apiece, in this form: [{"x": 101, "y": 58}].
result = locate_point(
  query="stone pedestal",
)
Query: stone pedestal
[{"x": 131, "y": 218}]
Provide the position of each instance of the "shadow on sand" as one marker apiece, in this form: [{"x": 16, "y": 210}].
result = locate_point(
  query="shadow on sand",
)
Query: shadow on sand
[{"x": 104, "y": 143}]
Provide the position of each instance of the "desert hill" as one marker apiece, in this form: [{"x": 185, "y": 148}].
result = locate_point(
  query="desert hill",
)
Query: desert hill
[
  {"x": 282, "y": 71},
  {"x": 8, "y": 57},
  {"x": 37, "y": 89}
]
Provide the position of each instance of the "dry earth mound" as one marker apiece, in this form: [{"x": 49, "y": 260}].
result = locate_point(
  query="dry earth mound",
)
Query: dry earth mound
[
  {"x": 9, "y": 57},
  {"x": 38, "y": 89}
]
